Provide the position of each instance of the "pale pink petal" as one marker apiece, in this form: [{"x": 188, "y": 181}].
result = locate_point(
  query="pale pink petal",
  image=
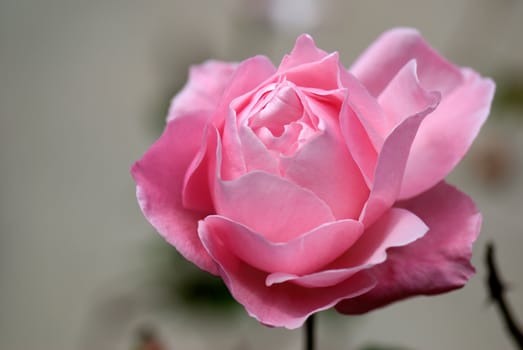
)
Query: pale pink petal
[
  {"x": 437, "y": 263},
  {"x": 204, "y": 88},
  {"x": 404, "y": 96},
  {"x": 321, "y": 279},
  {"x": 159, "y": 178},
  {"x": 282, "y": 305},
  {"x": 365, "y": 106},
  {"x": 447, "y": 133},
  {"x": 233, "y": 162},
  {"x": 390, "y": 167},
  {"x": 249, "y": 75},
  {"x": 376, "y": 67},
  {"x": 301, "y": 255},
  {"x": 304, "y": 51},
  {"x": 198, "y": 185},
  {"x": 256, "y": 154},
  {"x": 398, "y": 227},
  {"x": 359, "y": 142},
  {"x": 325, "y": 166},
  {"x": 277, "y": 208},
  {"x": 322, "y": 74}
]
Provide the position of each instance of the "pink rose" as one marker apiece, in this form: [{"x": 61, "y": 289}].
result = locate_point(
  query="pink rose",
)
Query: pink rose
[{"x": 309, "y": 186}]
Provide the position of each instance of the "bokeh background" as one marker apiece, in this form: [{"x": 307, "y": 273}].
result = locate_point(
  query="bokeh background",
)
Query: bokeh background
[{"x": 84, "y": 87}]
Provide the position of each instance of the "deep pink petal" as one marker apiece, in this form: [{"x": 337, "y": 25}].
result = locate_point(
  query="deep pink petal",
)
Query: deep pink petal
[
  {"x": 398, "y": 227},
  {"x": 282, "y": 305},
  {"x": 376, "y": 67},
  {"x": 447, "y": 133},
  {"x": 437, "y": 263},
  {"x": 159, "y": 178},
  {"x": 301, "y": 255},
  {"x": 325, "y": 166},
  {"x": 204, "y": 88},
  {"x": 277, "y": 208},
  {"x": 304, "y": 51}
]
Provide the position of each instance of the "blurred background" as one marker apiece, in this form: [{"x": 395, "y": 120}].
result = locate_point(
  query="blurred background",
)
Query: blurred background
[{"x": 84, "y": 88}]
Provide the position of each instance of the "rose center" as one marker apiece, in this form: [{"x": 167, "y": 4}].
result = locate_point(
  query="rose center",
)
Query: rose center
[{"x": 282, "y": 107}]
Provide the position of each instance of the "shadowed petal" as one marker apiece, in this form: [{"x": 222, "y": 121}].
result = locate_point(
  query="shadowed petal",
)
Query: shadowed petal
[
  {"x": 283, "y": 305},
  {"x": 437, "y": 263}
]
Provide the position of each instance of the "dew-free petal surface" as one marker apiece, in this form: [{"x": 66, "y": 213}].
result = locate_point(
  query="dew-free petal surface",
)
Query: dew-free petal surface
[
  {"x": 281, "y": 305},
  {"x": 159, "y": 177},
  {"x": 436, "y": 263}
]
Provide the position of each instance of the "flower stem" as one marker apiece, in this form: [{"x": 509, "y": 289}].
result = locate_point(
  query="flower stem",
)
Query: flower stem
[{"x": 309, "y": 333}]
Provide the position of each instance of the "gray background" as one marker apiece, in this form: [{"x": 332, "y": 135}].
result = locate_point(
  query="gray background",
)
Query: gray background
[{"x": 83, "y": 87}]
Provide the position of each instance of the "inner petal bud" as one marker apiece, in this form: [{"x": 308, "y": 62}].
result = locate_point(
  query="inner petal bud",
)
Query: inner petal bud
[{"x": 283, "y": 107}]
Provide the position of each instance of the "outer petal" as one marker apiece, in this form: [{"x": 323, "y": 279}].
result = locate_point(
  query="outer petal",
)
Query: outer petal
[
  {"x": 398, "y": 227},
  {"x": 203, "y": 90},
  {"x": 447, "y": 133},
  {"x": 159, "y": 177},
  {"x": 404, "y": 96},
  {"x": 437, "y": 263},
  {"x": 303, "y": 254},
  {"x": 392, "y": 50},
  {"x": 283, "y": 305}
]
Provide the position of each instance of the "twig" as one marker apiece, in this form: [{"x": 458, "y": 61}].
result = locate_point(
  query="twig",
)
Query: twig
[{"x": 497, "y": 295}]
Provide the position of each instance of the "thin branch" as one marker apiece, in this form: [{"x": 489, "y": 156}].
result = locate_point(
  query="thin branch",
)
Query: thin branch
[{"x": 497, "y": 295}]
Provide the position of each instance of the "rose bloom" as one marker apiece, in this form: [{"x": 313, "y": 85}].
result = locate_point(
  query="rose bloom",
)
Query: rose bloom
[{"x": 310, "y": 186}]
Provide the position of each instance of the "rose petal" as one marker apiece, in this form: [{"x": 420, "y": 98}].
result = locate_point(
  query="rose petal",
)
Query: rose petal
[
  {"x": 198, "y": 185},
  {"x": 300, "y": 255},
  {"x": 304, "y": 51},
  {"x": 278, "y": 209},
  {"x": 159, "y": 177},
  {"x": 404, "y": 96},
  {"x": 398, "y": 227},
  {"x": 322, "y": 74},
  {"x": 324, "y": 166},
  {"x": 437, "y": 263},
  {"x": 390, "y": 167},
  {"x": 447, "y": 133},
  {"x": 365, "y": 107},
  {"x": 392, "y": 50},
  {"x": 256, "y": 154},
  {"x": 283, "y": 305},
  {"x": 203, "y": 90},
  {"x": 249, "y": 74}
]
